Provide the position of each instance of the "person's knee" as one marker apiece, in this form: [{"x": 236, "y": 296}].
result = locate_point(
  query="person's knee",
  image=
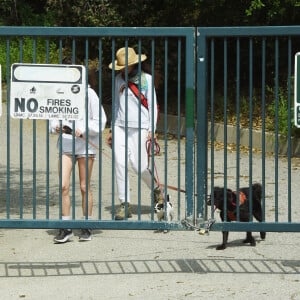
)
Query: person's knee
[
  {"x": 83, "y": 187},
  {"x": 65, "y": 188}
]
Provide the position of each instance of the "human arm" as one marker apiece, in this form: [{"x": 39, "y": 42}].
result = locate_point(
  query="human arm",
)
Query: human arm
[
  {"x": 152, "y": 105},
  {"x": 93, "y": 116}
]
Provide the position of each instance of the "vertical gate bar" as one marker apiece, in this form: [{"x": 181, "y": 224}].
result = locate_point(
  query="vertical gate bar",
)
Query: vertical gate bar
[
  {"x": 86, "y": 215},
  {"x": 100, "y": 93},
  {"x": 289, "y": 75},
  {"x": 263, "y": 130},
  {"x": 225, "y": 124},
  {"x": 178, "y": 128},
  {"x": 34, "y": 146},
  {"x": 60, "y": 144},
  {"x": 250, "y": 125},
  {"x": 113, "y": 104},
  {"x": 73, "y": 61},
  {"x": 166, "y": 117},
  {"x": 212, "y": 123},
  {"x": 201, "y": 129},
  {"x": 47, "y": 145},
  {"x": 152, "y": 150},
  {"x": 276, "y": 124},
  {"x": 126, "y": 128},
  {"x": 238, "y": 122},
  {"x": 21, "y": 195},
  {"x": 139, "y": 133},
  {"x": 8, "y": 129}
]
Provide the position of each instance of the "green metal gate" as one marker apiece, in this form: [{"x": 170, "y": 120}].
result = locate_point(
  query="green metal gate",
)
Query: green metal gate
[
  {"x": 245, "y": 83},
  {"x": 243, "y": 131},
  {"x": 30, "y": 185}
]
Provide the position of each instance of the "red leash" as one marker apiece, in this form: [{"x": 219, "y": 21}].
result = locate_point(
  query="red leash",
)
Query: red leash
[
  {"x": 149, "y": 153},
  {"x": 156, "y": 152}
]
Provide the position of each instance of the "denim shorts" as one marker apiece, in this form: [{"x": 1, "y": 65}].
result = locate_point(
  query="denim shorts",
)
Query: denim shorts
[{"x": 77, "y": 156}]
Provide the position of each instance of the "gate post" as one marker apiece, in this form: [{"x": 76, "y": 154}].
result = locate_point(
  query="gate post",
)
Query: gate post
[
  {"x": 190, "y": 96},
  {"x": 201, "y": 127},
  {"x": 297, "y": 90}
]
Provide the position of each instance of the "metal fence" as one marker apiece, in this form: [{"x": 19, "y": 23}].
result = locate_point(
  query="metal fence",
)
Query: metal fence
[
  {"x": 239, "y": 81},
  {"x": 31, "y": 185},
  {"x": 245, "y": 84}
]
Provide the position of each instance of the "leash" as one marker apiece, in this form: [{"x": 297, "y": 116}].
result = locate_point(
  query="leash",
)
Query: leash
[
  {"x": 68, "y": 130},
  {"x": 156, "y": 152},
  {"x": 149, "y": 154}
]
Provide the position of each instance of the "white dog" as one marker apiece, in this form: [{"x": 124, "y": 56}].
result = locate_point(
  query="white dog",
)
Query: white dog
[{"x": 160, "y": 211}]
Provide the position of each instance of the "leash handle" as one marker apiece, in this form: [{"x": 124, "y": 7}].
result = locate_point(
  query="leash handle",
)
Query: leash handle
[{"x": 156, "y": 151}]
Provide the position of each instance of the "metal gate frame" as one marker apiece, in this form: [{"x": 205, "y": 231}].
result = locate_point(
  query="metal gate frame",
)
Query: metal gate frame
[
  {"x": 188, "y": 34},
  {"x": 196, "y": 174},
  {"x": 204, "y": 36}
]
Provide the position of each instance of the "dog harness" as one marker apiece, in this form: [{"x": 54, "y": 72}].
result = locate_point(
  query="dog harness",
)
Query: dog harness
[{"x": 231, "y": 215}]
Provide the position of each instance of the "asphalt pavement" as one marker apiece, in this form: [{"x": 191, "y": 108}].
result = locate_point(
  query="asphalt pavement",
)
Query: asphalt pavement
[{"x": 124, "y": 264}]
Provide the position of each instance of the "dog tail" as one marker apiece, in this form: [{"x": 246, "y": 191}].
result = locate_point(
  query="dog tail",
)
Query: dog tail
[{"x": 257, "y": 190}]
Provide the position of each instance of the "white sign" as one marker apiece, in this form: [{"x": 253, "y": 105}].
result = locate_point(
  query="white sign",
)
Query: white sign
[{"x": 45, "y": 91}]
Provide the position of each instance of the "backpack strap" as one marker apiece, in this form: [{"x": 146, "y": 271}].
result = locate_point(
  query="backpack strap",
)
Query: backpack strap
[{"x": 138, "y": 94}]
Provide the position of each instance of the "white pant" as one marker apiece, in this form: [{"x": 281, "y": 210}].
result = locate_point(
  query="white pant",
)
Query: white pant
[{"x": 132, "y": 157}]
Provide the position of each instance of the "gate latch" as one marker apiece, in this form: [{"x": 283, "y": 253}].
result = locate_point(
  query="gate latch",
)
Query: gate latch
[{"x": 204, "y": 229}]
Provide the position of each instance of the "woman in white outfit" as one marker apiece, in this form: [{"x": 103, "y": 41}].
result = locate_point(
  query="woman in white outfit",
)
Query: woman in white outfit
[
  {"x": 128, "y": 115},
  {"x": 80, "y": 157}
]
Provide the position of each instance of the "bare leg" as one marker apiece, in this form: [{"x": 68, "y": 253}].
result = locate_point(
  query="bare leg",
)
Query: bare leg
[
  {"x": 66, "y": 174},
  {"x": 83, "y": 186}
]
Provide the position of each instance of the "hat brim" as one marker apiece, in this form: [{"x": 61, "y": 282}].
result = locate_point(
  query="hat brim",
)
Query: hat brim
[{"x": 118, "y": 67}]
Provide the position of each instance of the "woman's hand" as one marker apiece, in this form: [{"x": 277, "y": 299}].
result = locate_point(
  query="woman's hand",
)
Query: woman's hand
[
  {"x": 149, "y": 137},
  {"x": 78, "y": 133}
]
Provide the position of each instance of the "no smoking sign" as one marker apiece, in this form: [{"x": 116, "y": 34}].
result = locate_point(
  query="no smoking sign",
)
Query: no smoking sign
[{"x": 47, "y": 91}]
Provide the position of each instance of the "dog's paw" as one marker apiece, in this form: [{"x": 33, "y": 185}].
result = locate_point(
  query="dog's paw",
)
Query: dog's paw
[
  {"x": 250, "y": 240},
  {"x": 262, "y": 235}
]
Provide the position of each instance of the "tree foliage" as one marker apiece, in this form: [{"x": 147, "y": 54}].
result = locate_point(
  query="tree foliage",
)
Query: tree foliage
[{"x": 154, "y": 13}]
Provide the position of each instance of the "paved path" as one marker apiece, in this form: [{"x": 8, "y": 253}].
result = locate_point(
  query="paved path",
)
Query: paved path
[{"x": 147, "y": 265}]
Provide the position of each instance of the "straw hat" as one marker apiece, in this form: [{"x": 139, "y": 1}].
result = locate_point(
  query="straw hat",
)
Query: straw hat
[{"x": 133, "y": 58}]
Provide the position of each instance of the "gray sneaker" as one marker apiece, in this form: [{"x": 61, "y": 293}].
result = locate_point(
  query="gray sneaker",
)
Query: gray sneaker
[
  {"x": 85, "y": 235},
  {"x": 124, "y": 208},
  {"x": 63, "y": 236}
]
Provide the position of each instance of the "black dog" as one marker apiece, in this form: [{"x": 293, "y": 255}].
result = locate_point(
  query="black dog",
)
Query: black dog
[{"x": 244, "y": 215}]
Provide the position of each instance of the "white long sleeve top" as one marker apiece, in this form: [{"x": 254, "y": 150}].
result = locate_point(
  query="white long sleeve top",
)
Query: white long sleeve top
[
  {"x": 134, "y": 105},
  {"x": 93, "y": 128}
]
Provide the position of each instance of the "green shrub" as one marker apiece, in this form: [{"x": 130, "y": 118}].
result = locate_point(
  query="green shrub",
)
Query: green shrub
[{"x": 26, "y": 50}]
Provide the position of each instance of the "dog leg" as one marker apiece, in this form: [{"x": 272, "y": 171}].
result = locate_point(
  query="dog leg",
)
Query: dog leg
[
  {"x": 262, "y": 235},
  {"x": 225, "y": 239},
  {"x": 250, "y": 239},
  {"x": 258, "y": 215},
  {"x": 170, "y": 211}
]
